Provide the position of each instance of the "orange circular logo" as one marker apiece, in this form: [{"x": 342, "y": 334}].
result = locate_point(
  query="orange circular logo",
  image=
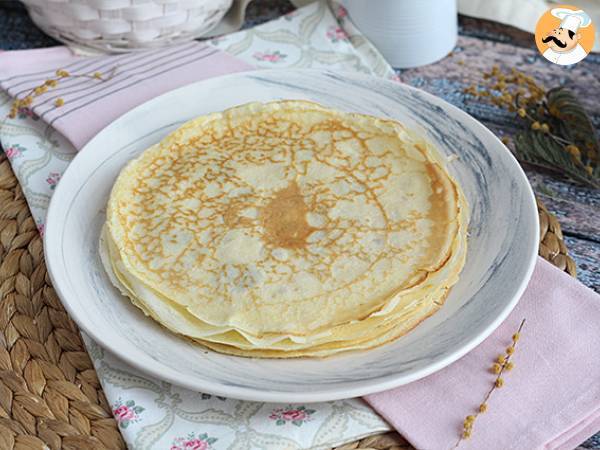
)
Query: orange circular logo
[{"x": 564, "y": 35}]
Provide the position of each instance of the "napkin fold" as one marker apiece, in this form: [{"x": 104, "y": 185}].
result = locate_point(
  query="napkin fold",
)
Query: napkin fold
[
  {"x": 550, "y": 400},
  {"x": 125, "y": 81}
]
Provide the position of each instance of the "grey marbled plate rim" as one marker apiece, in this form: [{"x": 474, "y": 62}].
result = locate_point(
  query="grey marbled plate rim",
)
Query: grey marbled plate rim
[{"x": 502, "y": 243}]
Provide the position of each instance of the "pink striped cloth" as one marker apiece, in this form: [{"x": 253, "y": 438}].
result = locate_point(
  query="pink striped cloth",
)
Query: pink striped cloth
[
  {"x": 91, "y": 104},
  {"x": 551, "y": 399}
]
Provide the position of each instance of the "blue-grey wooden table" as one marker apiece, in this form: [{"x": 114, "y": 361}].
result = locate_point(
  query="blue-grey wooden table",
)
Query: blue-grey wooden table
[{"x": 481, "y": 45}]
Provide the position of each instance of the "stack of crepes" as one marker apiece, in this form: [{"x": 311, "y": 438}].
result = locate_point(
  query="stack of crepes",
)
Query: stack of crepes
[{"x": 286, "y": 229}]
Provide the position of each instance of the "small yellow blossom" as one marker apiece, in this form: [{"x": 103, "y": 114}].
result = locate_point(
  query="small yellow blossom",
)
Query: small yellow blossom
[
  {"x": 97, "y": 75},
  {"x": 59, "y": 102},
  {"x": 496, "y": 368},
  {"x": 499, "y": 382},
  {"x": 469, "y": 420},
  {"x": 505, "y": 140},
  {"x": 510, "y": 350},
  {"x": 573, "y": 150},
  {"x": 483, "y": 407},
  {"x": 62, "y": 73},
  {"x": 51, "y": 83},
  {"x": 535, "y": 125},
  {"x": 501, "y": 359},
  {"x": 545, "y": 128},
  {"x": 40, "y": 90},
  {"x": 521, "y": 112},
  {"x": 509, "y": 366},
  {"x": 515, "y": 337}
]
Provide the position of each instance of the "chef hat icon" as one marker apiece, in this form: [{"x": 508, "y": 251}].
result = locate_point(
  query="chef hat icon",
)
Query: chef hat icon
[{"x": 571, "y": 20}]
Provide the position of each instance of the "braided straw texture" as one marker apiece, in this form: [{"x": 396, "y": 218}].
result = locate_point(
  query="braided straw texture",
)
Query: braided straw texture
[
  {"x": 552, "y": 246},
  {"x": 122, "y": 25},
  {"x": 49, "y": 392}
]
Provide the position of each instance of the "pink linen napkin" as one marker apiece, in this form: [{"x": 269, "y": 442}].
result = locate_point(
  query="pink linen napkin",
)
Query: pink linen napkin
[
  {"x": 550, "y": 400},
  {"x": 91, "y": 104}
]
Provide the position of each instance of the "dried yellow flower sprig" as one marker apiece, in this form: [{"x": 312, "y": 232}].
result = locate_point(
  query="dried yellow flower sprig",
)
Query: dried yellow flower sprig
[
  {"x": 520, "y": 93},
  {"x": 50, "y": 83},
  {"x": 501, "y": 365},
  {"x": 514, "y": 91},
  {"x": 506, "y": 87}
]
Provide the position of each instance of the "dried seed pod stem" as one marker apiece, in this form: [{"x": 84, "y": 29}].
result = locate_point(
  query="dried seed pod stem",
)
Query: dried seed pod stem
[
  {"x": 503, "y": 364},
  {"x": 19, "y": 104}
]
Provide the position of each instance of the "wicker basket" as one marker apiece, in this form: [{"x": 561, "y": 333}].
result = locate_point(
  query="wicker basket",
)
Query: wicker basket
[{"x": 126, "y": 25}]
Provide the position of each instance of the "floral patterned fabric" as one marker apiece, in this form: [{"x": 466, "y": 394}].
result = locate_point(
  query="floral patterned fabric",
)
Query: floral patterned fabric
[
  {"x": 126, "y": 413},
  {"x": 153, "y": 414},
  {"x": 295, "y": 415}
]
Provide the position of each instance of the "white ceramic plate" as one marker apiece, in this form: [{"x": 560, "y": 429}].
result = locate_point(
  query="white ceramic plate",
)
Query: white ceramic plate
[{"x": 502, "y": 243}]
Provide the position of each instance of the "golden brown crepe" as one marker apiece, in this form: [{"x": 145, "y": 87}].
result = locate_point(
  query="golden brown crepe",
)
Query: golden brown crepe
[{"x": 286, "y": 229}]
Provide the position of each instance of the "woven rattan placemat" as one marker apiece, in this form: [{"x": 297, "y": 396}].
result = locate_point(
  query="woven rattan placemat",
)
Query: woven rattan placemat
[{"x": 49, "y": 393}]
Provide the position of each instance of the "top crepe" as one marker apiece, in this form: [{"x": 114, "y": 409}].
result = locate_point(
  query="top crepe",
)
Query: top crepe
[{"x": 284, "y": 219}]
